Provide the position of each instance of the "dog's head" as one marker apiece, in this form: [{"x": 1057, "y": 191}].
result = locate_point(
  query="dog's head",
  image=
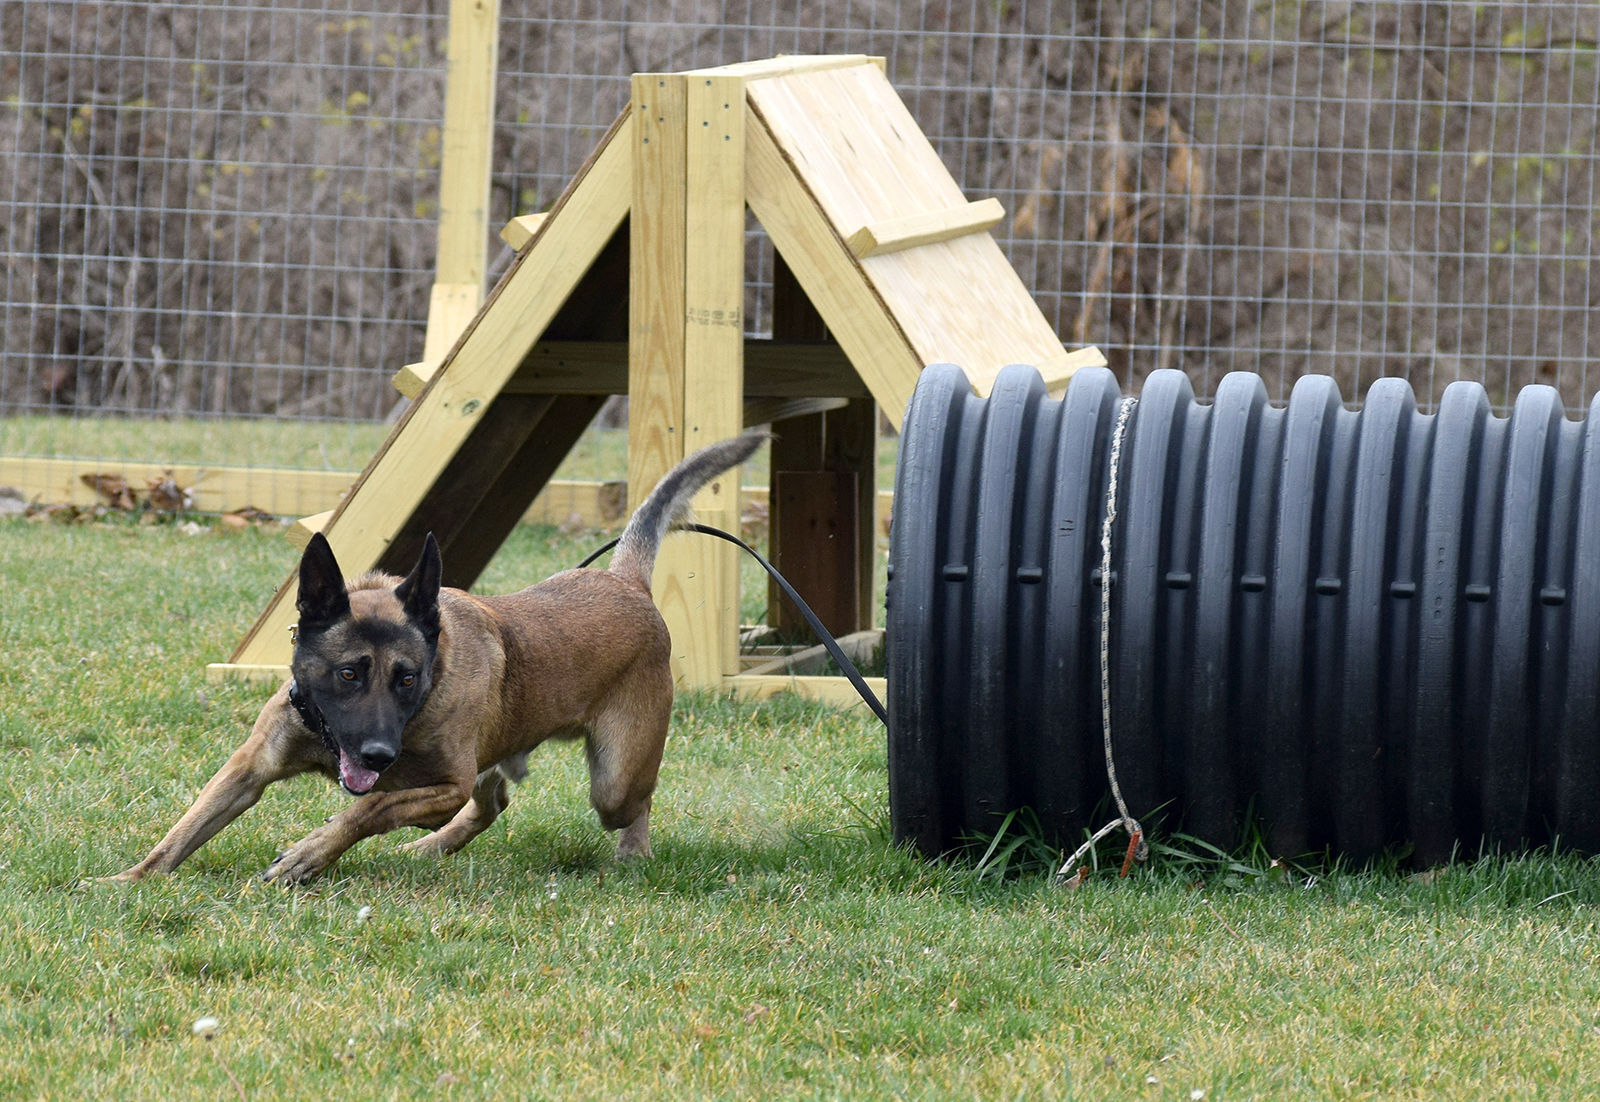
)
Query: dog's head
[{"x": 363, "y": 657}]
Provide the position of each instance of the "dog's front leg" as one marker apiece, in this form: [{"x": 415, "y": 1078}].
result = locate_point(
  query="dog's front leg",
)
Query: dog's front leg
[
  {"x": 374, "y": 813},
  {"x": 232, "y": 791}
]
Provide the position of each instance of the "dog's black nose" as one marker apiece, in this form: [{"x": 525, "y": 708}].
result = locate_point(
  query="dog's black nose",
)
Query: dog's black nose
[{"x": 377, "y": 756}]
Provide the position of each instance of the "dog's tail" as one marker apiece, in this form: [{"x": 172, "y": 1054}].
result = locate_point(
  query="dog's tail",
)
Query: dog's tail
[{"x": 635, "y": 556}]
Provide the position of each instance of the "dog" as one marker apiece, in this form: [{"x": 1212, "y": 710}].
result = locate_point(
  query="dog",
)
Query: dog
[{"x": 423, "y": 702}]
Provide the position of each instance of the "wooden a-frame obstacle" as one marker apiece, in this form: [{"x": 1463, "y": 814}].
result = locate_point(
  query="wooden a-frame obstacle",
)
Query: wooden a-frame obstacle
[{"x": 634, "y": 283}]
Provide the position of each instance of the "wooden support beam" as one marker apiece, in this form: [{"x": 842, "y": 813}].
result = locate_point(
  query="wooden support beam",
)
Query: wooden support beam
[
  {"x": 771, "y": 411},
  {"x": 857, "y": 646},
  {"x": 685, "y": 378},
  {"x": 471, "y": 62},
  {"x": 834, "y": 691},
  {"x": 773, "y": 369},
  {"x": 509, "y": 495},
  {"x": 821, "y": 509},
  {"x": 906, "y": 232},
  {"x": 461, "y": 484}
]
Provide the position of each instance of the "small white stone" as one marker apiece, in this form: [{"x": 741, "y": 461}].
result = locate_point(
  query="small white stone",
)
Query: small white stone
[{"x": 206, "y": 1027}]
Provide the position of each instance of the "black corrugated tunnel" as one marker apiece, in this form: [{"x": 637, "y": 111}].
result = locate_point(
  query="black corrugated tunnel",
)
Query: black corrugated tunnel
[{"x": 1365, "y": 629}]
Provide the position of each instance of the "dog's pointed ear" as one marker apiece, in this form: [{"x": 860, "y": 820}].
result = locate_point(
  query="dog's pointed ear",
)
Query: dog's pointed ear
[
  {"x": 322, "y": 598},
  {"x": 419, "y": 593}
]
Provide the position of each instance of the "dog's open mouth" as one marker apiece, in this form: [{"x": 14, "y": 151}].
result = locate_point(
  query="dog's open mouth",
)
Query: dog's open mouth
[{"x": 356, "y": 778}]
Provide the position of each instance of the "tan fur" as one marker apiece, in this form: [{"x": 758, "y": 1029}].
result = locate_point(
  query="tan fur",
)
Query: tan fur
[{"x": 583, "y": 654}]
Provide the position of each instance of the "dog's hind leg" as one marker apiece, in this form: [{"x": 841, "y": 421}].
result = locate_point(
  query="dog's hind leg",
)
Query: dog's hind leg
[
  {"x": 624, "y": 752},
  {"x": 489, "y": 798}
]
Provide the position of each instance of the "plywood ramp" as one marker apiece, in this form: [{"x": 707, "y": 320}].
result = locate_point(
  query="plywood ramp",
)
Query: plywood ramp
[
  {"x": 884, "y": 259},
  {"x": 841, "y": 143}
]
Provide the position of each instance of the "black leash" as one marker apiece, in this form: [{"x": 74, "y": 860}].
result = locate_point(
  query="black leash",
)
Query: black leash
[{"x": 829, "y": 643}]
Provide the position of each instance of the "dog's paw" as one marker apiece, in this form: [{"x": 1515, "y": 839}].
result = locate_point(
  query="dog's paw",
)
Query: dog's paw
[{"x": 295, "y": 865}]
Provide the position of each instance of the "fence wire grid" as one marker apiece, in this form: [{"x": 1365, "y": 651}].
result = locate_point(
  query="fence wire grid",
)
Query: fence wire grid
[{"x": 225, "y": 210}]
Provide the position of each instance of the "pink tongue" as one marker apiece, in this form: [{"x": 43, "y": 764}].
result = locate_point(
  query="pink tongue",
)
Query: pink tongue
[{"x": 353, "y": 776}]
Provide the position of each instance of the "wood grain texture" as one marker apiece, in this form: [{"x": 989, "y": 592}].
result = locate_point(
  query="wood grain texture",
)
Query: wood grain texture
[
  {"x": 925, "y": 228},
  {"x": 858, "y": 154},
  {"x": 467, "y": 147}
]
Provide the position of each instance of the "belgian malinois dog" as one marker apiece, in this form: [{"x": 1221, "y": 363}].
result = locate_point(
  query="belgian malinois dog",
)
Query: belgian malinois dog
[{"x": 424, "y": 702}]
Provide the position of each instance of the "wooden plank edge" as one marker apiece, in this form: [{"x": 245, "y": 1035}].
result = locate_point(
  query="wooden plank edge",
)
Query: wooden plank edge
[
  {"x": 280, "y": 491},
  {"x": 893, "y": 235},
  {"x": 1057, "y": 371},
  {"x": 301, "y": 531},
  {"x": 787, "y": 65},
  {"x": 244, "y": 671},
  {"x": 521, "y": 230},
  {"x": 412, "y": 379},
  {"x": 834, "y": 691},
  {"x": 857, "y": 646}
]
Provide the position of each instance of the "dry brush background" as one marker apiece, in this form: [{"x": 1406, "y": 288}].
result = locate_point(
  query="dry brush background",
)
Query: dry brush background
[{"x": 226, "y": 207}]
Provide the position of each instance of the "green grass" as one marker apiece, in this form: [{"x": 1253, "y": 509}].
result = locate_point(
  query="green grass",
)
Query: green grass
[
  {"x": 778, "y": 944},
  {"x": 277, "y": 442},
  {"x": 266, "y": 442}
]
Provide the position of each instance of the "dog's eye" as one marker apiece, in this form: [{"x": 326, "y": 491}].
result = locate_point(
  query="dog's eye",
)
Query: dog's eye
[
  {"x": 347, "y": 674},
  {"x": 408, "y": 680}
]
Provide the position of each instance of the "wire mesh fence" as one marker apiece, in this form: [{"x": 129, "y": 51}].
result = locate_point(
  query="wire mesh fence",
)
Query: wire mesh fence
[{"x": 217, "y": 212}]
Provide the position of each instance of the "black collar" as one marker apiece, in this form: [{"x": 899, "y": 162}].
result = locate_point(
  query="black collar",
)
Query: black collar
[{"x": 310, "y": 714}]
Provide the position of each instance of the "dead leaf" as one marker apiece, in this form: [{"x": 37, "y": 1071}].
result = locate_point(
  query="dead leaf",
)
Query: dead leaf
[
  {"x": 1075, "y": 881},
  {"x": 754, "y": 518},
  {"x": 235, "y": 521},
  {"x": 111, "y": 488},
  {"x": 756, "y": 1011},
  {"x": 166, "y": 496},
  {"x": 613, "y": 499}
]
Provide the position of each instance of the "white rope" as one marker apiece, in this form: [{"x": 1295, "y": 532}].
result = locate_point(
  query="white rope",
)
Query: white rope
[{"x": 1138, "y": 847}]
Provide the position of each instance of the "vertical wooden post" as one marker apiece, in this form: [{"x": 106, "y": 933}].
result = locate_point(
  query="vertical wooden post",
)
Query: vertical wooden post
[
  {"x": 686, "y": 347},
  {"x": 823, "y": 501},
  {"x": 466, "y": 152}
]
